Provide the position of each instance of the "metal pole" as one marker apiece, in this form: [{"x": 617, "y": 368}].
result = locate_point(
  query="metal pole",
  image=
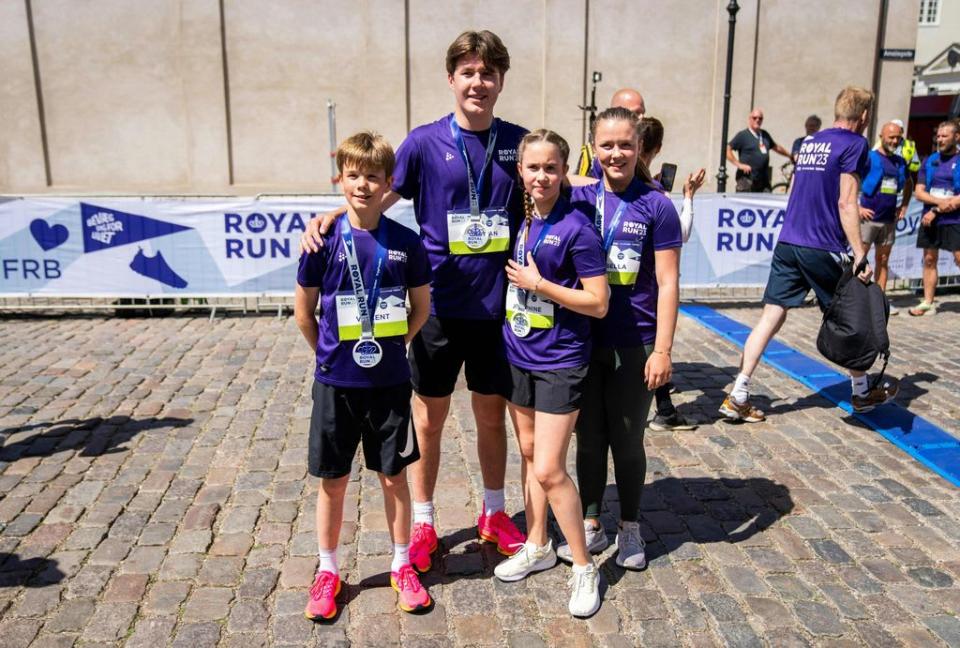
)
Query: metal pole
[
  {"x": 732, "y": 9},
  {"x": 332, "y": 126}
]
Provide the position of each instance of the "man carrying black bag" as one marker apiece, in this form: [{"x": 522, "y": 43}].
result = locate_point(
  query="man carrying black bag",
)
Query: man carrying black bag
[{"x": 820, "y": 231}]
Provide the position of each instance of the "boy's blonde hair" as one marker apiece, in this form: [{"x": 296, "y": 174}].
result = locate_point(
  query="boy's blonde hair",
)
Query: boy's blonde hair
[
  {"x": 366, "y": 150},
  {"x": 851, "y": 102}
]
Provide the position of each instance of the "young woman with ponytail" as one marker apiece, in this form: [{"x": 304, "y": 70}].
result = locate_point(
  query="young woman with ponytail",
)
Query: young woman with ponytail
[
  {"x": 557, "y": 281},
  {"x": 640, "y": 231}
]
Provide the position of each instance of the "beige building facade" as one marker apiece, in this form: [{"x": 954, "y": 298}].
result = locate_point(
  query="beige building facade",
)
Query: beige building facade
[{"x": 230, "y": 96}]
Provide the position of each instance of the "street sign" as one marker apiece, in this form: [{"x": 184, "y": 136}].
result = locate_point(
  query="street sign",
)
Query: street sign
[{"x": 897, "y": 54}]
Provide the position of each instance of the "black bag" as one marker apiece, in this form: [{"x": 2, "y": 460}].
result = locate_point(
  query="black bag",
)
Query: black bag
[{"x": 854, "y": 328}]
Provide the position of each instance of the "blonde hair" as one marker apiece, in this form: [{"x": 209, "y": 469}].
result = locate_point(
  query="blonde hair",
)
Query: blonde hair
[
  {"x": 536, "y": 137},
  {"x": 619, "y": 113},
  {"x": 484, "y": 44},
  {"x": 366, "y": 150},
  {"x": 852, "y": 102}
]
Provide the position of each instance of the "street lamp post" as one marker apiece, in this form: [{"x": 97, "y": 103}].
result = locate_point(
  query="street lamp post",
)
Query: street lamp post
[{"x": 732, "y": 9}]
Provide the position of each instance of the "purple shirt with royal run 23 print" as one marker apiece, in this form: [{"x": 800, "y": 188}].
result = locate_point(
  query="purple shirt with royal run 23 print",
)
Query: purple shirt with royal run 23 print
[
  {"x": 942, "y": 182},
  {"x": 570, "y": 250},
  {"x": 406, "y": 267},
  {"x": 812, "y": 218},
  {"x": 650, "y": 222},
  {"x": 430, "y": 170}
]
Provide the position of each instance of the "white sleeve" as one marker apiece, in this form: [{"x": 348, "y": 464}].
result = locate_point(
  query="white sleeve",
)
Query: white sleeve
[{"x": 686, "y": 219}]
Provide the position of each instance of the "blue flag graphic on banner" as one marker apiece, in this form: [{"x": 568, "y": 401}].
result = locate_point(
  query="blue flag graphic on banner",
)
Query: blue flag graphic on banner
[{"x": 105, "y": 228}]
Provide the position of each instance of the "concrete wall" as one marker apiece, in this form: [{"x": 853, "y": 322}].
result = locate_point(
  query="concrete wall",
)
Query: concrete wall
[{"x": 203, "y": 96}]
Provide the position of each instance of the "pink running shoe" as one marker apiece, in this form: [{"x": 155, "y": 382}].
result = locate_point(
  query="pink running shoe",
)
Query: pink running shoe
[
  {"x": 412, "y": 595},
  {"x": 322, "y": 603},
  {"x": 423, "y": 542},
  {"x": 500, "y": 528}
]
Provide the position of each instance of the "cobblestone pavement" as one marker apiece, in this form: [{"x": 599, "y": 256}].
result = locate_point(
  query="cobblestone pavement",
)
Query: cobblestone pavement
[{"x": 153, "y": 492}]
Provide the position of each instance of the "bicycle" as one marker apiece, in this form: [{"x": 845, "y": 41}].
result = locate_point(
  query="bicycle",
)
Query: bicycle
[{"x": 786, "y": 169}]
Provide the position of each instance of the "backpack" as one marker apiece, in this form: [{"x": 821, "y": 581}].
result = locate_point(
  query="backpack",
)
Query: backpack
[{"x": 854, "y": 328}]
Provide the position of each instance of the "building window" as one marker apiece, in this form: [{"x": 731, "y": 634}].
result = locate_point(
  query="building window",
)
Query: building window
[{"x": 929, "y": 12}]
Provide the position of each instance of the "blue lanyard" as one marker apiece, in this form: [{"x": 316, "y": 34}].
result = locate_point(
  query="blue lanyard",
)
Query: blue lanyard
[
  {"x": 521, "y": 246},
  {"x": 476, "y": 188},
  {"x": 366, "y": 303},
  {"x": 617, "y": 215}
]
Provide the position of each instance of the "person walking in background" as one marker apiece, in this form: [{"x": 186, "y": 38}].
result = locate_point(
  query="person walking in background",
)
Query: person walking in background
[
  {"x": 752, "y": 146},
  {"x": 886, "y": 179},
  {"x": 811, "y": 126},
  {"x": 821, "y": 227}
]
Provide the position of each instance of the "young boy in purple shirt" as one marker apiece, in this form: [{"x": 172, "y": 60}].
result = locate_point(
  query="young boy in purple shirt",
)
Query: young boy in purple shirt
[
  {"x": 361, "y": 278},
  {"x": 461, "y": 173},
  {"x": 821, "y": 226}
]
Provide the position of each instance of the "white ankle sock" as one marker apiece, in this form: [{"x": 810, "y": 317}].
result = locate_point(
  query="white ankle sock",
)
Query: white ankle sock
[
  {"x": 493, "y": 500},
  {"x": 423, "y": 513},
  {"x": 741, "y": 388},
  {"x": 328, "y": 561},
  {"x": 401, "y": 556},
  {"x": 859, "y": 385}
]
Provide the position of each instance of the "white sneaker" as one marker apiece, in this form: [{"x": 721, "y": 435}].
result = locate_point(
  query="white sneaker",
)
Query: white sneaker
[
  {"x": 894, "y": 310},
  {"x": 630, "y": 546},
  {"x": 596, "y": 542},
  {"x": 585, "y": 597},
  {"x": 530, "y": 558}
]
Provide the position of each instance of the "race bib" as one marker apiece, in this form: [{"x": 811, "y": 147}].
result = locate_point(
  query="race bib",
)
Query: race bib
[
  {"x": 490, "y": 234},
  {"x": 389, "y": 320},
  {"x": 941, "y": 192},
  {"x": 623, "y": 263},
  {"x": 539, "y": 309},
  {"x": 888, "y": 186}
]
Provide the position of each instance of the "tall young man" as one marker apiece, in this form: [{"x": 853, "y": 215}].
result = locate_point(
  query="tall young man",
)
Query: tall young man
[
  {"x": 821, "y": 226},
  {"x": 461, "y": 173}
]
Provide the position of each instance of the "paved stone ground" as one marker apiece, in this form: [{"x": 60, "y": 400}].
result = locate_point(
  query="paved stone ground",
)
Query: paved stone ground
[{"x": 153, "y": 492}]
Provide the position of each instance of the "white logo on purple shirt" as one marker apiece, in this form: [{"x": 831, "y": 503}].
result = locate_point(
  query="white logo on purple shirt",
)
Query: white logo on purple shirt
[{"x": 448, "y": 156}]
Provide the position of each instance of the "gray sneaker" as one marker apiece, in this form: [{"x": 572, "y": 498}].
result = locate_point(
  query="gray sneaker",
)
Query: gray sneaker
[
  {"x": 585, "y": 591},
  {"x": 527, "y": 560},
  {"x": 596, "y": 542},
  {"x": 630, "y": 546}
]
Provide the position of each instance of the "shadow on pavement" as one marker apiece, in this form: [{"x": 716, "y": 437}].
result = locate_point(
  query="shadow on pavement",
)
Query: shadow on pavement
[
  {"x": 93, "y": 436},
  {"x": 33, "y": 572}
]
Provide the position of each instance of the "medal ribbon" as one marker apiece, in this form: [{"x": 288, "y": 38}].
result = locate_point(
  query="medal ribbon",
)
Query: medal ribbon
[
  {"x": 521, "y": 248},
  {"x": 366, "y": 303},
  {"x": 476, "y": 188},
  {"x": 617, "y": 215}
]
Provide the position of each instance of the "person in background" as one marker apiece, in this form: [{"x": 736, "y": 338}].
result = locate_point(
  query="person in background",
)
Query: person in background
[
  {"x": 752, "y": 146},
  {"x": 812, "y": 125}
]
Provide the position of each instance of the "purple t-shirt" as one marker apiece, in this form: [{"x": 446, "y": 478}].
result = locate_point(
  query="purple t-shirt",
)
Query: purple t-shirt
[
  {"x": 941, "y": 184},
  {"x": 884, "y": 200},
  {"x": 431, "y": 171},
  {"x": 649, "y": 223},
  {"x": 812, "y": 218},
  {"x": 570, "y": 250},
  {"x": 406, "y": 266}
]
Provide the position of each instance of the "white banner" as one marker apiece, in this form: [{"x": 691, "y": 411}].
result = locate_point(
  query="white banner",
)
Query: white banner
[{"x": 150, "y": 247}]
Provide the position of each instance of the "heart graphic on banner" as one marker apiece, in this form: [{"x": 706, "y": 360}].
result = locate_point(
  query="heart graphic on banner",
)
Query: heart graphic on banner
[{"x": 46, "y": 236}]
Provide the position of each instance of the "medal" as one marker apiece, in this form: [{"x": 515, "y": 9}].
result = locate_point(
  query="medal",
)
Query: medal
[
  {"x": 367, "y": 352},
  {"x": 476, "y": 235},
  {"x": 520, "y": 324}
]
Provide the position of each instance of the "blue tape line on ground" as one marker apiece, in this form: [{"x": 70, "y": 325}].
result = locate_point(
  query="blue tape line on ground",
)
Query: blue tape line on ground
[{"x": 923, "y": 440}]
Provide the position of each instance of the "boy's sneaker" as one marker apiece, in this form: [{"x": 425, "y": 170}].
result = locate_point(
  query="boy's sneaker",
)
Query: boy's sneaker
[
  {"x": 877, "y": 396},
  {"x": 741, "y": 411},
  {"x": 662, "y": 423},
  {"x": 894, "y": 310},
  {"x": 527, "y": 560},
  {"x": 412, "y": 596},
  {"x": 499, "y": 528},
  {"x": 423, "y": 542},
  {"x": 630, "y": 546},
  {"x": 585, "y": 597},
  {"x": 322, "y": 603},
  {"x": 596, "y": 542}
]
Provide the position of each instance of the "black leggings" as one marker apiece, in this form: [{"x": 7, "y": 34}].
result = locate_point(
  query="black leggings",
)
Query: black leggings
[{"x": 616, "y": 403}]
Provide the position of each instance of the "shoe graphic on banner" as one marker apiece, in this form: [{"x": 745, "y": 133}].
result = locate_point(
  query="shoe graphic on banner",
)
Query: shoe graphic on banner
[{"x": 156, "y": 267}]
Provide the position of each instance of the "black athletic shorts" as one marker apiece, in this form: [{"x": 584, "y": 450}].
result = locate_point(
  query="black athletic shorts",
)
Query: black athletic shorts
[
  {"x": 796, "y": 270},
  {"x": 444, "y": 345},
  {"x": 941, "y": 237},
  {"x": 554, "y": 391},
  {"x": 343, "y": 417}
]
